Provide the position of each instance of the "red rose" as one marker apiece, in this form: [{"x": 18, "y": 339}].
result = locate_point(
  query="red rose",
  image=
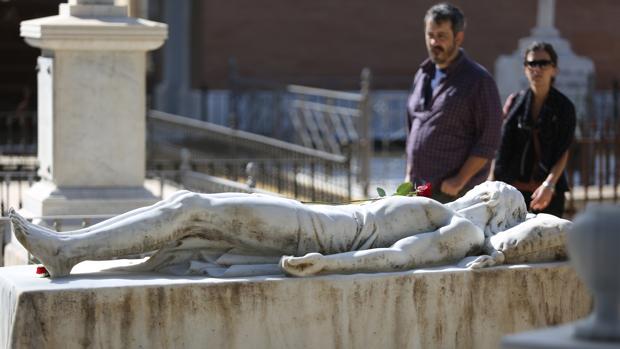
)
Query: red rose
[
  {"x": 41, "y": 271},
  {"x": 424, "y": 190}
]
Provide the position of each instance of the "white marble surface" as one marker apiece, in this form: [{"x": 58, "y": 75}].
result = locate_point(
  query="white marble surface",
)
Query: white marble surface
[
  {"x": 428, "y": 308},
  {"x": 95, "y": 133},
  {"x": 558, "y": 337}
]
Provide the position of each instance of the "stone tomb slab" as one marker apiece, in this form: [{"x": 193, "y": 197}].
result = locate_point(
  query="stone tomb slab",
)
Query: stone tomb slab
[{"x": 444, "y": 307}]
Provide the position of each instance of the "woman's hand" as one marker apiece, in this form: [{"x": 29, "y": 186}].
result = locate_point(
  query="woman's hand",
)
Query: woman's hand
[{"x": 541, "y": 197}]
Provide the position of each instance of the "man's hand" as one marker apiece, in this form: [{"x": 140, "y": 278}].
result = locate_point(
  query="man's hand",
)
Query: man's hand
[{"x": 452, "y": 186}]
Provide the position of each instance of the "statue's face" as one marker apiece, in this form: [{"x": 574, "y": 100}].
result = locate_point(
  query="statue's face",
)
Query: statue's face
[
  {"x": 512, "y": 200},
  {"x": 493, "y": 206},
  {"x": 510, "y": 208}
]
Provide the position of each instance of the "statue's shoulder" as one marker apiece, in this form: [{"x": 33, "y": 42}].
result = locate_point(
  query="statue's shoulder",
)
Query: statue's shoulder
[{"x": 407, "y": 202}]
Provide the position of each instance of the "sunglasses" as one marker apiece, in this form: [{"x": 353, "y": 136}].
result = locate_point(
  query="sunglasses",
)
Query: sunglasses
[{"x": 540, "y": 63}]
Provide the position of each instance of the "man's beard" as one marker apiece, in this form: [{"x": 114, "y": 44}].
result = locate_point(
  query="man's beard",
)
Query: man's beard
[{"x": 439, "y": 55}]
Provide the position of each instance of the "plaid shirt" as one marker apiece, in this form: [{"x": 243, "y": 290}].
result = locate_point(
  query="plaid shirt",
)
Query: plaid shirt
[{"x": 461, "y": 117}]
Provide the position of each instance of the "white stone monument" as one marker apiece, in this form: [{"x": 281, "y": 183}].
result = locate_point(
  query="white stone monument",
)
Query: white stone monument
[
  {"x": 91, "y": 109},
  {"x": 576, "y": 72}
]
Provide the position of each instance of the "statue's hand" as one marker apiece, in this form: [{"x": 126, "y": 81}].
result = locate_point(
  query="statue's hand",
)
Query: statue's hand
[
  {"x": 310, "y": 264},
  {"x": 497, "y": 258}
]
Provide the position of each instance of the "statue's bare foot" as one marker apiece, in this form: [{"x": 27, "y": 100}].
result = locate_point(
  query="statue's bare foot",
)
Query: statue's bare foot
[
  {"x": 310, "y": 264},
  {"x": 43, "y": 243}
]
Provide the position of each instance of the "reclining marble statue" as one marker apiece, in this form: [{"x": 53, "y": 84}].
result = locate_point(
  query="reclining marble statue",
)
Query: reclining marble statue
[{"x": 390, "y": 234}]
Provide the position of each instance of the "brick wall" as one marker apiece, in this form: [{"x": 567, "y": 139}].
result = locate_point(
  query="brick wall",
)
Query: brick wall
[{"x": 327, "y": 42}]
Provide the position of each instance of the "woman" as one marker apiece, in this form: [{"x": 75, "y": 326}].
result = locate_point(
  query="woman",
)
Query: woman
[
  {"x": 394, "y": 233},
  {"x": 539, "y": 126}
]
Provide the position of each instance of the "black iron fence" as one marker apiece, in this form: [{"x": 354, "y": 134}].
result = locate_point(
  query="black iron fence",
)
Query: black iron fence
[
  {"x": 331, "y": 121},
  {"x": 18, "y": 133},
  {"x": 13, "y": 184},
  {"x": 263, "y": 162},
  {"x": 594, "y": 164}
]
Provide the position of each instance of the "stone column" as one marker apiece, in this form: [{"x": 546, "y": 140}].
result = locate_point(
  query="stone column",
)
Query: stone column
[{"x": 174, "y": 94}]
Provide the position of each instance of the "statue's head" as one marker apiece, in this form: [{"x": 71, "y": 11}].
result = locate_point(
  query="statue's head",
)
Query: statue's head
[{"x": 492, "y": 206}]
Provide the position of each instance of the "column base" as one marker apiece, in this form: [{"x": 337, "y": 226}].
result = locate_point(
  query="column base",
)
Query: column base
[{"x": 46, "y": 199}]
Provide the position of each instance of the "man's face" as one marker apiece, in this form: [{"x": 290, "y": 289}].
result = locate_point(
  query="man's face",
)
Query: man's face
[{"x": 441, "y": 43}]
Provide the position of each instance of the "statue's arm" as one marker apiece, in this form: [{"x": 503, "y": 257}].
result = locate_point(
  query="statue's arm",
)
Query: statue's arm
[
  {"x": 392, "y": 258},
  {"x": 444, "y": 245}
]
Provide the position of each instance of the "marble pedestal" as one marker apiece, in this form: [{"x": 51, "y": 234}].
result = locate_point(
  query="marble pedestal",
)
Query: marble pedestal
[
  {"x": 428, "y": 308},
  {"x": 91, "y": 100}
]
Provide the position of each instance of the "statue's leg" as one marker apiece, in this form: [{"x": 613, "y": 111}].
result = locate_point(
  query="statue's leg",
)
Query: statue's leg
[
  {"x": 239, "y": 220},
  {"x": 137, "y": 231},
  {"x": 123, "y": 216},
  {"x": 174, "y": 197}
]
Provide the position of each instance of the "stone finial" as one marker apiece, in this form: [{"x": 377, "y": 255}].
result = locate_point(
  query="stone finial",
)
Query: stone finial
[
  {"x": 545, "y": 19},
  {"x": 250, "y": 171},
  {"x": 593, "y": 248},
  {"x": 91, "y": 2},
  {"x": 546, "y": 13},
  {"x": 92, "y": 8}
]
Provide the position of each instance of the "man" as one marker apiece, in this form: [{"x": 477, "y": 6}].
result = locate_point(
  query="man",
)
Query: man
[{"x": 454, "y": 114}]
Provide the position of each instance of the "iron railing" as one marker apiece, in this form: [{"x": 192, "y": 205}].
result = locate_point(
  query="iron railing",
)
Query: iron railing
[
  {"x": 337, "y": 122},
  {"x": 278, "y": 166},
  {"x": 18, "y": 133},
  {"x": 13, "y": 184},
  {"x": 594, "y": 164}
]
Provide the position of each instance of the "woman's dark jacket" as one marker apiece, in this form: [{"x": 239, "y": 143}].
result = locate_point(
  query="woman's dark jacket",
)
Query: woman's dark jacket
[{"x": 515, "y": 160}]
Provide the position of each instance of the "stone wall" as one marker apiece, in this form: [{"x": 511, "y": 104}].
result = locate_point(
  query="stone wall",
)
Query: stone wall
[{"x": 323, "y": 42}]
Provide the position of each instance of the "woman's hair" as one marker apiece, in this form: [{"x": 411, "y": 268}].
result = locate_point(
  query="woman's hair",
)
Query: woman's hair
[{"x": 542, "y": 46}]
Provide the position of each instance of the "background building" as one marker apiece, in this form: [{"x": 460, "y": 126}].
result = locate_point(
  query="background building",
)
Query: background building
[{"x": 327, "y": 43}]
